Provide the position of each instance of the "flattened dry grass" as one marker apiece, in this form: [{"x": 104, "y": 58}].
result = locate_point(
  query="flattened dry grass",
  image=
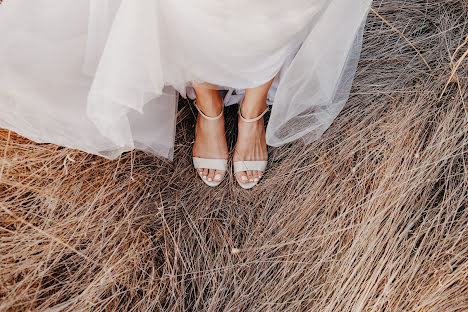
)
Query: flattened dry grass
[{"x": 371, "y": 217}]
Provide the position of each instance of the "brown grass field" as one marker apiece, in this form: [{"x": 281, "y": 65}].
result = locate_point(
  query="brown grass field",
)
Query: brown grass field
[{"x": 371, "y": 217}]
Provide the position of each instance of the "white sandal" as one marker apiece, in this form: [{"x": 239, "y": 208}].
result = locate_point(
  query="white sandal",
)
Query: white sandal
[
  {"x": 209, "y": 163},
  {"x": 244, "y": 165}
]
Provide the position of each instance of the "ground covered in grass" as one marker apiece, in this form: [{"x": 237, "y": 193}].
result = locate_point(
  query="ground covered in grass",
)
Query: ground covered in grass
[{"x": 371, "y": 217}]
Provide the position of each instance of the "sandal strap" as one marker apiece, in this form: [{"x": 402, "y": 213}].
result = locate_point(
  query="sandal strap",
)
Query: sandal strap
[
  {"x": 259, "y": 165},
  {"x": 208, "y": 117},
  {"x": 207, "y": 163},
  {"x": 252, "y": 119}
]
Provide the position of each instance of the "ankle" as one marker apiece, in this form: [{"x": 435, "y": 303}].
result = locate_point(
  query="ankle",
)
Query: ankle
[
  {"x": 252, "y": 109},
  {"x": 209, "y": 101},
  {"x": 209, "y": 107}
]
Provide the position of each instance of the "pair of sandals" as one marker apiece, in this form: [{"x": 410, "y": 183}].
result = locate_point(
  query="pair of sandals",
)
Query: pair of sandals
[{"x": 221, "y": 164}]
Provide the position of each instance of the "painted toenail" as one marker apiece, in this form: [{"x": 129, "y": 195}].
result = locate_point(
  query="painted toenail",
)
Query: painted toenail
[
  {"x": 204, "y": 177},
  {"x": 256, "y": 180},
  {"x": 218, "y": 177},
  {"x": 251, "y": 180},
  {"x": 244, "y": 178},
  {"x": 210, "y": 179}
]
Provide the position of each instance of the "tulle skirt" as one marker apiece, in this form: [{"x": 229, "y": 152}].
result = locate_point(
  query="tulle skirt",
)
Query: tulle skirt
[{"x": 103, "y": 76}]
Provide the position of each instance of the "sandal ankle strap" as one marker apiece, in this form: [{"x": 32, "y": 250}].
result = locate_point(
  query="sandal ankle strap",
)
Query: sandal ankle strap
[
  {"x": 251, "y": 119},
  {"x": 208, "y": 117}
]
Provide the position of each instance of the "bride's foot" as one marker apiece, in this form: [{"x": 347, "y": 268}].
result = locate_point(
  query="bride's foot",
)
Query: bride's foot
[
  {"x": 210, "y": 138},
  {"x": 251, "y": 142}
]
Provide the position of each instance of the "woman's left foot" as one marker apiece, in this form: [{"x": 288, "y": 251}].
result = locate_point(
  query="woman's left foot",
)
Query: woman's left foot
[{"x": 250, "y": 145}]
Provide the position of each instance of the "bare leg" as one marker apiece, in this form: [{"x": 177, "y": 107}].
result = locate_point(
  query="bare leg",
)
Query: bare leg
[
  {"x": 210, "y": 138},
  {"x": 251, "y": 142}
]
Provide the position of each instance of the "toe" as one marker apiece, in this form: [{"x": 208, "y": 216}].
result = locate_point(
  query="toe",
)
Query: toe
[
  {"x": 211, "y": 173},
  {"x": 255, "y": 175},
  {"x": 218, "y": 175},
  {"x": 242, "y": 176},
  {"x": 205, "y": 173},
  {"x": 250, "y": 175}
]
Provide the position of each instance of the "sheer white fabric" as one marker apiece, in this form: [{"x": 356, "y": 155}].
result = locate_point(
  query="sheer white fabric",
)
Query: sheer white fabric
[{"x": 103, "y": 76}]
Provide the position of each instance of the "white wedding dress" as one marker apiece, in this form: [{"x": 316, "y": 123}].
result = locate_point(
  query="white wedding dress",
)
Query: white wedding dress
[{"x": 103, "y": 76}]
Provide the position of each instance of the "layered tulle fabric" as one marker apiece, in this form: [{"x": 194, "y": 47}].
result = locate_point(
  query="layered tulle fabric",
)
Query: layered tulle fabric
[{"x": 103, "y": 76}]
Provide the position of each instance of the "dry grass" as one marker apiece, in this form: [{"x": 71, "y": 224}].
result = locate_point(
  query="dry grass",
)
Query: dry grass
[{"x": 371, "y": 217}]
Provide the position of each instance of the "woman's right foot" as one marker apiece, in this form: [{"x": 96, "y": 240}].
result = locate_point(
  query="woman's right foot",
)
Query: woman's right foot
[{"x": 210, "y": 138}]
